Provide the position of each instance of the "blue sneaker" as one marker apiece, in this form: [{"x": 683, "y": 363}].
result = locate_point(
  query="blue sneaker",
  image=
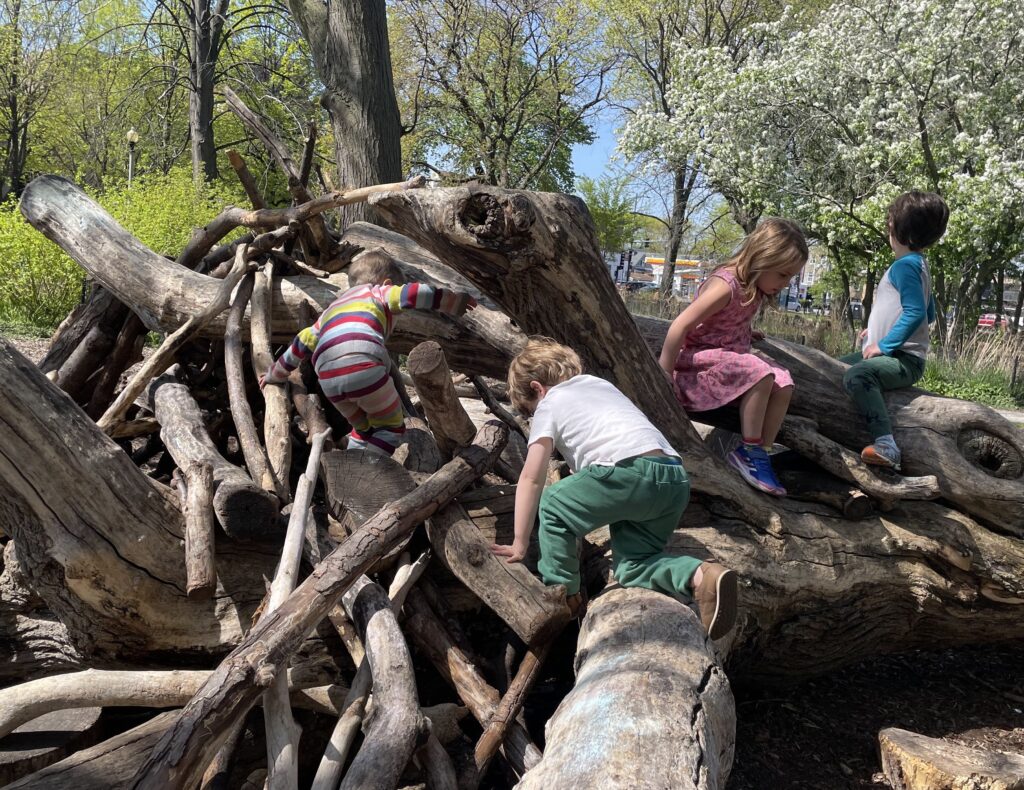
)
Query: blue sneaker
[
  {"x": 754, "y": 466},
  {"x": 883, "y": 452}
]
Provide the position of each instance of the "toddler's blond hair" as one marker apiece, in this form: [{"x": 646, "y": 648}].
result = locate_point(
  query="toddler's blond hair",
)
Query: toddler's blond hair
[
  {"x": 545, "y": 361},
  {"x": 373, "y": 267}
]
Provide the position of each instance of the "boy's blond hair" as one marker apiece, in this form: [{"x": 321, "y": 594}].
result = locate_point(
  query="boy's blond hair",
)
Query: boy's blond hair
[
  {"x": 374, "y": 267},
  {"x": 545, "y": 361}
]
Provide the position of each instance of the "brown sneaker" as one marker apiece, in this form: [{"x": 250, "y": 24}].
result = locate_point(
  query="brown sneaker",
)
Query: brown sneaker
[{"x": 716, "y": 599}]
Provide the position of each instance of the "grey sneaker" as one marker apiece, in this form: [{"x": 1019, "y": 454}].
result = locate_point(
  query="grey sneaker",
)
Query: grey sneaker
[{"x": 882, "y": 453}]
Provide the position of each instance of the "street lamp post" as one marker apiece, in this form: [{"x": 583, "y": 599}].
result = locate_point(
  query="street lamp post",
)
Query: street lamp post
[{"x": 132, "y": 137}]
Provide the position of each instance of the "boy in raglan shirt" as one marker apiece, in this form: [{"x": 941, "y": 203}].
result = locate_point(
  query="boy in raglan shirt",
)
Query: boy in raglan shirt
[{"x": 896, "y": 340}]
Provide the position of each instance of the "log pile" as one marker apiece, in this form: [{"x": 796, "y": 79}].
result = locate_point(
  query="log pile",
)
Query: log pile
[{"x": 143, "y": 522}]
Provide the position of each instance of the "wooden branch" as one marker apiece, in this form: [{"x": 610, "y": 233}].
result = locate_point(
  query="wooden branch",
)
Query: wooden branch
[
  {"x": 197, "y": 498},
  {"x": 451, "y": 426},
  {"x": 801, "y": 434},
  {"x": 243, "y": 509},
  {"x": 482, "y": 699},
  {"x": 437, "y": 765},
  {"x": 517, "y": 424},
  {"x": 334, "y": 759},
  {"x": 126, "y": 352},
  {"x": 533, "y": 610},
  {"x": 635, "y": 639},
  {"x": 397, "y": 723},
  {"x": 246, "y": 179},
  {"x": 94, "y": 688},
  {"x": 308, "y": 152},
  {"x": 219, "y": 770},
  {"x": 915, "y": 762},
  {"x": 255, "y": 456},
  {"x": 282, "y": 732},
  {"x": 162, "y": 358},
  {"x": 510, "y": 705},
  {"x": 277, "y": 415},
  {"x": 183, "y": 753}
]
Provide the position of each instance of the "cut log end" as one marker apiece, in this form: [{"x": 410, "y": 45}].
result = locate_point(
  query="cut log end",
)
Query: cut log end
[{"x": 916, "y": 762}]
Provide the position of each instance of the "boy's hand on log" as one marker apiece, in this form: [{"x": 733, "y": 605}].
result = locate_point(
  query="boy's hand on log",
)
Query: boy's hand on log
[
  {"x": 871, "y": 350},
  {"x": 470, "y": 304},
  {"x": 511, "y": 553}
]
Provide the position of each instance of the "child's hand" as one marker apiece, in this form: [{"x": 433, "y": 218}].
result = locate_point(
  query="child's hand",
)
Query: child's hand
[
  {"x": 871, "y": 350},
  {"x": 756, "y": 335},
  {"x": 263, "y": 381},
  {"x": 511, "y": 553},
  {"x": 470, "y": 304}
]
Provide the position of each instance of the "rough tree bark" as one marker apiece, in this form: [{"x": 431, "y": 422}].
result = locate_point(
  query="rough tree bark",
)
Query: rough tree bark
[
  {"x": 650, "y": 709},
  {"x": 100, "y": 542}
]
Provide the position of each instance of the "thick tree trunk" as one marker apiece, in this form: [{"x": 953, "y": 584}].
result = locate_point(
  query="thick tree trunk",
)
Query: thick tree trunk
[
  {"x": 68, "y": 495},
  {"x": 650, "y": 709},
  {"x": 349, "y": 44}
]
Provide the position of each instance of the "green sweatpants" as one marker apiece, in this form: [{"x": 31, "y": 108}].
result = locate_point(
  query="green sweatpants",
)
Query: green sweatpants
[
  {"x": 642, "y": 500},
  {"x": 869, "y": 378}
]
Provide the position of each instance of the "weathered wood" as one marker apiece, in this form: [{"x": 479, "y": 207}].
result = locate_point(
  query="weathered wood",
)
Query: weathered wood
[
  {"x": 182, "y": 754},
  {"x": 241, "y": 413},
  {"x": 344, "y": 733},
  {"x": 451, "y": 426},
  {"x": 68, "y": 494},
  {"x": 650, "y": 709},
  {"x": 44, "y": 741},
  {"x": 245, "y": 178},
  {"x": 437, "y": 765},
  {"x": 530, "y": 608},
  {"x": 455, "y": 666},
  {"x": 165, "y": 295},
  {"x": 106, "y": 766},
  {"x": 126, "y": 352},
  {"x": 511, "y": 703},
  {"x": 159, "y": 361},
  {"x": 397, "y": 725},
  {"x": 277, "y": 414},
  {"x": 916, "y": 762},
  {"x": 282, "y": 731},
  {"x": 243, "y": 509},
  {"x": 200, "y": 564}
]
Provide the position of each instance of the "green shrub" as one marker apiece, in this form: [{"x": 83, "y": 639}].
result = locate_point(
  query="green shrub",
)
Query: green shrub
[{"x": 39, "y": 284}]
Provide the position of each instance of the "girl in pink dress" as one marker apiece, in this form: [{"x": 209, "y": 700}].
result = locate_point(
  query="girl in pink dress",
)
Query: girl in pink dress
[{"x": 707, "y": 349}]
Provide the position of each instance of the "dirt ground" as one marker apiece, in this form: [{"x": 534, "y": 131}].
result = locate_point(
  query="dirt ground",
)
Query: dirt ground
[{"x": 823, "y": 734}]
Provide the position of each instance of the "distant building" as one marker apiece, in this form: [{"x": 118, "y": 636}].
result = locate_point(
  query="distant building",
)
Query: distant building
[{"x": 689, "y": 274}]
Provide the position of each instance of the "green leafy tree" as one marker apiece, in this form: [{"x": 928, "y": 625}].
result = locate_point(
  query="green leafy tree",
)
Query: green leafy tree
[
  {"x": 498, "y": 91},
  {"x": 612, "y": 211}
]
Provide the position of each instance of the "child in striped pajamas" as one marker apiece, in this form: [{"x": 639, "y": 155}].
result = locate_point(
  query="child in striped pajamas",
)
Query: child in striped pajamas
[{"x": 347, "y": 344}]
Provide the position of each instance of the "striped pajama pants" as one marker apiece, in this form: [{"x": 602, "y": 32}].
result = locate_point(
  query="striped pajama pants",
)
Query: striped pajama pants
[{"x": 360, "y": 387}]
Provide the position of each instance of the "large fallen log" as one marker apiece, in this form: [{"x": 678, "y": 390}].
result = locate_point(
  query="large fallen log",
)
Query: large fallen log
[
  {"x": 650, "y": 709},
  {"x": 100, "y": 542},
  {"x": 182, "y": 754}
]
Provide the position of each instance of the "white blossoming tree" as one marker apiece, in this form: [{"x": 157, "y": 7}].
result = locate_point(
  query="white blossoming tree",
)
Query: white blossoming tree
[{"x": 832, "y": 119}]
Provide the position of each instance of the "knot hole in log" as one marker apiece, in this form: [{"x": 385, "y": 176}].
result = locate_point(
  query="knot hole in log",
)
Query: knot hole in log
[
  {"x": 990, "y": 454},
  {"x": 503, "y": 221}
]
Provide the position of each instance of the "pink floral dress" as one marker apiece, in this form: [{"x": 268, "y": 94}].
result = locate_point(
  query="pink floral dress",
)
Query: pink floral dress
[{"x": 716, "y": 365}]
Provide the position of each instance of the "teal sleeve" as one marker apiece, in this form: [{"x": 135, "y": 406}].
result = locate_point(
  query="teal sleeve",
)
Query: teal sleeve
[{"x": 906, "y": 278}]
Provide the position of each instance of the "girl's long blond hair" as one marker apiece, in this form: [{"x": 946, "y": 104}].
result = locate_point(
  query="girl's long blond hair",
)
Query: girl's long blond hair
[{"x": 773, "y": 245}]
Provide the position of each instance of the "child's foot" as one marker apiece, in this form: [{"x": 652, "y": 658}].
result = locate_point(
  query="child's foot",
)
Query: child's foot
[
  {"x": 716, "y": 599},
  {"x": 577, "y": 605},
  {"x": 883, "y": 452},
  {"x": 754, "y": 466}
]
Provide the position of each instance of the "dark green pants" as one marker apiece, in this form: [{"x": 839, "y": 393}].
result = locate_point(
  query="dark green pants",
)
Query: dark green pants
[
  {"x": 642, "y": 500},
  {"x": 867, "y": 379}
]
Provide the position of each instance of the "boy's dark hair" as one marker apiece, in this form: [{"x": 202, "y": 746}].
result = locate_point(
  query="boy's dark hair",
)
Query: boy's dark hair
[
  {"x": 918, "y": 219},
  {"x": 373, "y": 267}
]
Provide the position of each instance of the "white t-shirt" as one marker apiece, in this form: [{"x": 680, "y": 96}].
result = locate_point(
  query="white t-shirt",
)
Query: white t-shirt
[{"x": 591, "y": 423}]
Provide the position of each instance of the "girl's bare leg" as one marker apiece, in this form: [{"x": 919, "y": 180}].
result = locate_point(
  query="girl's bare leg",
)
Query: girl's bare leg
[
  {"x": 753, "y": 406},
  {"x": 778, "y": 405}
]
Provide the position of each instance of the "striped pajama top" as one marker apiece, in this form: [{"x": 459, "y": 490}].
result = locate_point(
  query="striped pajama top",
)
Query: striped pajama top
[{"x": 360, "y": 322}]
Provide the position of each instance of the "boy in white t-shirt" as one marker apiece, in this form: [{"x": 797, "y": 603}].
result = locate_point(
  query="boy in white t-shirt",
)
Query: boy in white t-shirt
[{"x": 625, "y": 474}]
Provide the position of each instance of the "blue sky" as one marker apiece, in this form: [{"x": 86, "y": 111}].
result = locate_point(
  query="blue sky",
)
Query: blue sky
[{"x": 592, "y": 160}]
